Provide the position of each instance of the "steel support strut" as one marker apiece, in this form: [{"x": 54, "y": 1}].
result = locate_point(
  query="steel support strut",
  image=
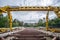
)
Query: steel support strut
[
  {"x": 9, "y": 19},
  {"x": 47, "y": 20}
]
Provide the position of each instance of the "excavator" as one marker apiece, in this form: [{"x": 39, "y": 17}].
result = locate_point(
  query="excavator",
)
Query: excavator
[{"x": 8, "y": 9}]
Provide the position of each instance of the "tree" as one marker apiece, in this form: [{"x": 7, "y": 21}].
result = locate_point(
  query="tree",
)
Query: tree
[
  {"x": 26, "y": 25},
  {"x": 3, "y": 21},
  {"x": 54, "y": 22},
  {"x": 40, "y": 22},
  {"x": 17, "y": 23}
]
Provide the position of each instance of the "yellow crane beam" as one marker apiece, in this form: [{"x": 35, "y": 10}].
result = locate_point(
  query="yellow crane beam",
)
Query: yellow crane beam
[
  {"x": 2, "y": 11},
  {"x": 32, "y": 8}
]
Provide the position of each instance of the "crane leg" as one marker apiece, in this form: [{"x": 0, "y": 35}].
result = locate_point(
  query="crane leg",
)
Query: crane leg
[
  {"x": 47, "y": 20},
  {"x": 10, "y": 19}
]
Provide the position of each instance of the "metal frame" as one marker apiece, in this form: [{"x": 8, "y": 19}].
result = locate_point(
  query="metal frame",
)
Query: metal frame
[{"x": 16, "y": 8}]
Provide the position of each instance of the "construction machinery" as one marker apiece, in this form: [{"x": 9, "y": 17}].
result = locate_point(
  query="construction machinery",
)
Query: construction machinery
[{"x": 8, "y": 9}]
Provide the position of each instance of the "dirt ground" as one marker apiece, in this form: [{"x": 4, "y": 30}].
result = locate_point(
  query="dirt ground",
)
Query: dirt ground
[{"x": 29, "y": 34}]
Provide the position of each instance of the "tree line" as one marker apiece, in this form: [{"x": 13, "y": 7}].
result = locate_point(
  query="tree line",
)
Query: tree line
[{"x": 15, "y": 23}]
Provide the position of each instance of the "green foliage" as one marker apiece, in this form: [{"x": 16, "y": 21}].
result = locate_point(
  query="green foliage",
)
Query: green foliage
[
  {"x": 17, "y": 23},
  {"x": 40, "y": 22},
  {"x": 26, "y": 25},
  {"x": 54, "y": 22},
  {"x": 3, "y": 21}
]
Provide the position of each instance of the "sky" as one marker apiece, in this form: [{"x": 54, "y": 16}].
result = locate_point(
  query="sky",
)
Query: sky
[{"x": 30, "y": 16}]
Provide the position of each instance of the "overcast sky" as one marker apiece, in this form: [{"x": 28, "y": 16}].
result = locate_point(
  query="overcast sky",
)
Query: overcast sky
[{"x": 30, "y": 16}]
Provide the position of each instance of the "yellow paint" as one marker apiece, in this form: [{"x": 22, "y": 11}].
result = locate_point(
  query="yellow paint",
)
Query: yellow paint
[
  {"x": 10, "y": 19},
  {"x": 47, "y": 20}
]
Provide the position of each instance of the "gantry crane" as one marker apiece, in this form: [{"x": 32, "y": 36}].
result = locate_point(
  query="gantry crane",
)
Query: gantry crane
[{"x": 8, "y": 9}]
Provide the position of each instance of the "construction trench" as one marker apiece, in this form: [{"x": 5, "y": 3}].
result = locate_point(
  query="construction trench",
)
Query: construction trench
[{"x": 28, "y": 34}]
